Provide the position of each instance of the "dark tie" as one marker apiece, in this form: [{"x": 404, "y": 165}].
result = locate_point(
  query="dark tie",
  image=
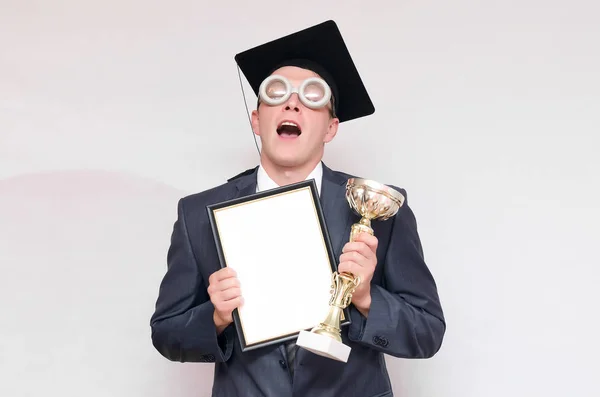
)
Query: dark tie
[{"x": 291, "y": 348}]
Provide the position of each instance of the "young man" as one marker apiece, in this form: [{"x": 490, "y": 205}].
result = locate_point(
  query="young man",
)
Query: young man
[{"x": 395, "y": 310}]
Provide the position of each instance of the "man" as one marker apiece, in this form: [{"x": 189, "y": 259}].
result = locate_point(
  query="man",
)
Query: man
[{"x": 395, "y": 310}]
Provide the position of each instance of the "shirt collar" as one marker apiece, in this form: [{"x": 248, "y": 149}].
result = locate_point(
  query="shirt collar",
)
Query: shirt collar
[{"x": 264, "y": 182}]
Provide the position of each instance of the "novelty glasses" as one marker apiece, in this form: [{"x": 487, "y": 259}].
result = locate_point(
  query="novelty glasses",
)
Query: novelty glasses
[{"x": 314, "y": 92}]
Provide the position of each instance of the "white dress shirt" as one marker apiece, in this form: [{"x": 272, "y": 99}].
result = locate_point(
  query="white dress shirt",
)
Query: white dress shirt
[{"x": 264, "y": 181}]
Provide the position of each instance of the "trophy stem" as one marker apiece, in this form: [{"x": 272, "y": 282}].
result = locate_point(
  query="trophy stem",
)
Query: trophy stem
[
  {"x": 331, "y": 325},
  {"x": 343, "y": 286},
  {"x": 363, "y": 226}
]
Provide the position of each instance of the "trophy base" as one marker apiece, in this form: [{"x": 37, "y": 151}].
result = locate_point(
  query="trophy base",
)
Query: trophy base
[{"x": 323, "y": 346}]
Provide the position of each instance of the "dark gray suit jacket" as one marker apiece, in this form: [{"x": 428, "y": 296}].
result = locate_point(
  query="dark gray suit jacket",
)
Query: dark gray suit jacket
[{"x": 405, "y": 319}]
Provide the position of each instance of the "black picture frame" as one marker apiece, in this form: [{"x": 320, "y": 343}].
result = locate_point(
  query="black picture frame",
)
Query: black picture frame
[{"x": 221, "y": 229}]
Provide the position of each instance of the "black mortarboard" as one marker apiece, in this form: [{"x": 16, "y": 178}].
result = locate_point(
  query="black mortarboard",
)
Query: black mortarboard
[{"x": 321, "y": 49}]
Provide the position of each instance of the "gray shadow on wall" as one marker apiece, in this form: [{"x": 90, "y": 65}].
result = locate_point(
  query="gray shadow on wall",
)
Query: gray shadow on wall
[{"x": 82, "y": 254}]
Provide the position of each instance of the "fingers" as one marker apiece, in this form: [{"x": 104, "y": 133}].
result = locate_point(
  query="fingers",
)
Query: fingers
[
  {"x": 355, "y": 269},
  {"x": 227, "y": 301},
  {"x": 368, "y": 239},
  {"x": 227, "y": 283},
  {"x": 229, "y": 294},
  {"x": 359, "y": 257},
  {"x": 364, "y": 243},
  {"x": 230, "y": 305},
  {"x": 359, "y": 247},
  {"x": 356, "y": 257},
  {"x": 349, "y": 267},
  {"x": 360, "y": 252},
  {"x": 221, "y": 274},
  {"x": 224, "y": 287},
  {"x": 225, "y": 294}
]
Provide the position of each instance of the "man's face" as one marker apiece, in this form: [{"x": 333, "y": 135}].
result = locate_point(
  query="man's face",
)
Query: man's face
[{"x": 288, "y": 146}]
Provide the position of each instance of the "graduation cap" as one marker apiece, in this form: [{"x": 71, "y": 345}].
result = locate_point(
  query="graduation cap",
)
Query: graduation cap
[{"x": 319, "y": 48}]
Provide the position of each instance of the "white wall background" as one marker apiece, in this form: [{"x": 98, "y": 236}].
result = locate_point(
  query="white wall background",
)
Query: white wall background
[{"x": 487, "y": 112}]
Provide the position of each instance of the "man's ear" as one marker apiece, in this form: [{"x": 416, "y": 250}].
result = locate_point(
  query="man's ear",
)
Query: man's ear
[
  {"x": 331, "y": 130},
  {"x": 255, "y": 126}
]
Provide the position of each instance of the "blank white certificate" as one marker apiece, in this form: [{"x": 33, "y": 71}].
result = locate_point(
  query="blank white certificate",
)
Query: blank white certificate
[{"x": 278, "y": 248}]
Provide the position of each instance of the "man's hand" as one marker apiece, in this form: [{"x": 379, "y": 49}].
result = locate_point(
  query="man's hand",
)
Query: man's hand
[
  {"x": 225, "y": 295},
  {"x": 359, "y": 258}
]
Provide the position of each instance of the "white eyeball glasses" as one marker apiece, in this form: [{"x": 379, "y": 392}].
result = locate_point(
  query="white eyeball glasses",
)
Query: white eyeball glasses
[{"x": 314, "y": 92}]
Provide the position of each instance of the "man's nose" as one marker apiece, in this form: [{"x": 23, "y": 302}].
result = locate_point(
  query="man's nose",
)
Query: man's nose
[{"x": 292, "y": 103}]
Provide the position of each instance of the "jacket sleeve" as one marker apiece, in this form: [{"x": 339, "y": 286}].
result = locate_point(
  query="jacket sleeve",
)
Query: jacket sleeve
[
  {"x": 405, "y": 318},
  {"x": 182, "y": 324}
]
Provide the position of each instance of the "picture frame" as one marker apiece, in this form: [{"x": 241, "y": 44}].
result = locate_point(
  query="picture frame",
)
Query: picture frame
[{"x": 278, "y": 243}]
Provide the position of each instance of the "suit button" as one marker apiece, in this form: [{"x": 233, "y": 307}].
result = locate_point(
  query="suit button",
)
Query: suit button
[
  {"x": 282, "y": 363},
  {"x": 380, "y": 341}
]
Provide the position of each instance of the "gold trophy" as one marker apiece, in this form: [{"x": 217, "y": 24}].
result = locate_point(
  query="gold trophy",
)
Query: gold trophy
[{"x": 372, "y": 201}]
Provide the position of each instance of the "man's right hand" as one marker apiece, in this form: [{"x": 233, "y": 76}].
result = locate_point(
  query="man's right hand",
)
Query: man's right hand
[{"x": 225, "y": 295}]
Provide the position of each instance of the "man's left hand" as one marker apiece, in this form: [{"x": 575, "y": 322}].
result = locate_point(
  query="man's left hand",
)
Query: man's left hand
[{"x": 359, "y": 258}]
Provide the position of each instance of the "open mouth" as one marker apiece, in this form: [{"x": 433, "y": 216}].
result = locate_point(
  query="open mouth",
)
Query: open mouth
[{"x": 288, "y": 129}]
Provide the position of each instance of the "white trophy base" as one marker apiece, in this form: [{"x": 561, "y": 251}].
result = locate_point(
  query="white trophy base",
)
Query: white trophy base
[{"x": 323, "y": 346}]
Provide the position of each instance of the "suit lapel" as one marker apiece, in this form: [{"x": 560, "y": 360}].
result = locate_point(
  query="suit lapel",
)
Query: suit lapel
[
  {"x": 246, "y": 183},
  {"x": 337, "y": 212}
]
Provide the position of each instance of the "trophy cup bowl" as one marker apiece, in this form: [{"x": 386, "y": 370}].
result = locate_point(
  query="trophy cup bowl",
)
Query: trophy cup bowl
[{"x": 371, "y": 201}]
